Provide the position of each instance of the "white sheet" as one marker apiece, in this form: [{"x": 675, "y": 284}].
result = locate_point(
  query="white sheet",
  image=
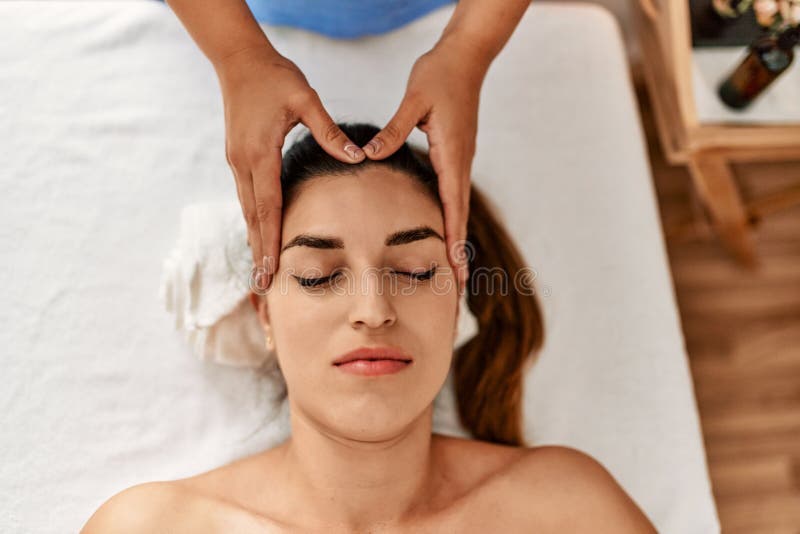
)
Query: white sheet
[{"x": 112, "y": 121}]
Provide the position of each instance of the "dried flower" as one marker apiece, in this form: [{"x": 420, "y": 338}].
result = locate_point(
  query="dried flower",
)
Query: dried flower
[{"x": 765, "y": 11}]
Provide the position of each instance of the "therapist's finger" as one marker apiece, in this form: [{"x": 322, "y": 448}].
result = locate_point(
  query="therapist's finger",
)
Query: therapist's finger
[
  {"x": 247, "y": 201},
  {"x": 326, "y": 132},
  {"x": 394, "y": 134},
  {"x": 268, "y": 206},
  {"x": 454, "y": 190}
]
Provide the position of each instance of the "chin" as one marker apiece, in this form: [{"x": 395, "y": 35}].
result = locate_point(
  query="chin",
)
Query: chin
[{"x": 375, "y": 424}]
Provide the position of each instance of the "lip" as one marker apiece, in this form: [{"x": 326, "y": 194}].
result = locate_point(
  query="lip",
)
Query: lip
[{"x": 373, "y": 361}]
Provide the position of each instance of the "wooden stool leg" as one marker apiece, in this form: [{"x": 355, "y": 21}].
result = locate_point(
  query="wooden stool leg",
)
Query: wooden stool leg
[{"x": 716, "y": 186}]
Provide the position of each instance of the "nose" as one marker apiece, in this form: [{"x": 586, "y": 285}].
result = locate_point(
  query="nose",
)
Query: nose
[{"x": 371, "y": 305}]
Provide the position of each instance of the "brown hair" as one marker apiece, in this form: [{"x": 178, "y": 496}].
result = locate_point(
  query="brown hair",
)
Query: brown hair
[{"x": 488, "y": 370}]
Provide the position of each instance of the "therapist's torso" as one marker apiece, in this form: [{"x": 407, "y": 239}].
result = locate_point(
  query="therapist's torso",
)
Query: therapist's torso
[{"x": 342, "y": 19}]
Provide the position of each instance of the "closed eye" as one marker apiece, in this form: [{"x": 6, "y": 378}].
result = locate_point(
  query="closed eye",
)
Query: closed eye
[
  {"x": 315, "y": 282},
  {"x": 427, "y": 275}
]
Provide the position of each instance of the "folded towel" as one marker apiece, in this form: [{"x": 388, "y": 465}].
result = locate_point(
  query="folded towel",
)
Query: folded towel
[{"x": 205, "y": 284}]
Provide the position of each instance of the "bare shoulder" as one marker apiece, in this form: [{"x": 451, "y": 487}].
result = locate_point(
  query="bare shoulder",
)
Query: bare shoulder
[
  {"x": 583, "y": 494},
  {"x": 162, "y": 506},
  {"x": 459, "y": 455},
  {"x": 194, "y": 505},
  {"x": 132, "y": 510}
]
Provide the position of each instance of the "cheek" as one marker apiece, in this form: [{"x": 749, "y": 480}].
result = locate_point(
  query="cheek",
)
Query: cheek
[
  {"x": 431, "y": 318},
  {"x": 301, "y": 331}
]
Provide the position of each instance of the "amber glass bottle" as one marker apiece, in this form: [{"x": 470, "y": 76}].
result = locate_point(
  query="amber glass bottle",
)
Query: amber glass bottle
[{"x": 768, "y": 57}]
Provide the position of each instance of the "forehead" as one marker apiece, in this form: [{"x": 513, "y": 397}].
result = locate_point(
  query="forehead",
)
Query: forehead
[{"x": 372, "y": 201}]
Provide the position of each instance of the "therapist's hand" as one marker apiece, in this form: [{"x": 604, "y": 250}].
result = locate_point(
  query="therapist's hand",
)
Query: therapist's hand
[
  {"x": 441, "y": 99},
  {"x": 266, "y": 95}
]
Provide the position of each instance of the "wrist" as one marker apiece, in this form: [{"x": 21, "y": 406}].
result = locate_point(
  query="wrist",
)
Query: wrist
[
  {"x": 472, "y": 52},
  {"x": 243, "y": 59},
  {"x": 470, "y": 57}
]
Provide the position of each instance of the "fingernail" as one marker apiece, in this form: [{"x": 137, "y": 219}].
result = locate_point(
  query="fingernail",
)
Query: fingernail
[
  {"x": 269, "y": 264},
  {"x": 354, "y": 152},
  {"x": 373, "y": 146},
  {"x": 262, "y": 281},
  {"x": 255, "y": 280},
  {"x": 462, "y": 279}
]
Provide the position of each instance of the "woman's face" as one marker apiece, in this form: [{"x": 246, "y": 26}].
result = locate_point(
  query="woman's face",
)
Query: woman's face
[{"x": 349, "y": 226}]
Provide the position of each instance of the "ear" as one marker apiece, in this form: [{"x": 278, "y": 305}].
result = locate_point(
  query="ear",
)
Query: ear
[{"x": 262, "y": 310}]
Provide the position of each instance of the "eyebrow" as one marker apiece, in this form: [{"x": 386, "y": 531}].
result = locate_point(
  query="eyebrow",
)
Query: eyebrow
[{"x": 397, "y": 238}]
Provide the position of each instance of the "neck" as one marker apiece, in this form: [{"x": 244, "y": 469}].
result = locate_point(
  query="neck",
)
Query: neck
[{"x": 357, "y": 483}]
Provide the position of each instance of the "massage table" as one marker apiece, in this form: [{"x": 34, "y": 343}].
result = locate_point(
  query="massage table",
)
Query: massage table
[{"x": 112, "y": 121}]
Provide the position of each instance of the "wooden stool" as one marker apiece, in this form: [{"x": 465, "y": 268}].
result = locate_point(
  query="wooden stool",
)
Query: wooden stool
[{"x": 708, "y": 149}]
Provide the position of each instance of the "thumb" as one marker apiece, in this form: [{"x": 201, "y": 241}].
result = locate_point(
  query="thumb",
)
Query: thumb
[
  {"x": 394, "y": 134},
  {"x": 328, "y": 134}
]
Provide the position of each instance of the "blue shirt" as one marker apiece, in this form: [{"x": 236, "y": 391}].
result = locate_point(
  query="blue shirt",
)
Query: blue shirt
[{"x": 342, "y": 19}]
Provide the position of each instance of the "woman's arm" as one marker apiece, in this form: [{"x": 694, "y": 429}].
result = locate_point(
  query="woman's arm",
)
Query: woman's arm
[
  {"x": 265, "y": 95},
  {"x": 484, "y": 26},
  {"x": 221, "y": 28},
  {"x": 441, "y": 100}
]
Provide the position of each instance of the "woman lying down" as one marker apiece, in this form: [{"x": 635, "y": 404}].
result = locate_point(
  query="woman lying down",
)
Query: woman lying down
[{"x": 361, "y": 316}]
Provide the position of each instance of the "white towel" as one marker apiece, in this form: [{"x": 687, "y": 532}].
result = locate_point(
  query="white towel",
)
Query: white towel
[{"x": 205, "y": 283}]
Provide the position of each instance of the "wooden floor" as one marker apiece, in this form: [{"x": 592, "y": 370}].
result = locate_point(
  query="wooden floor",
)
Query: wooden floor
[{"x": 742, "y": 333}]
